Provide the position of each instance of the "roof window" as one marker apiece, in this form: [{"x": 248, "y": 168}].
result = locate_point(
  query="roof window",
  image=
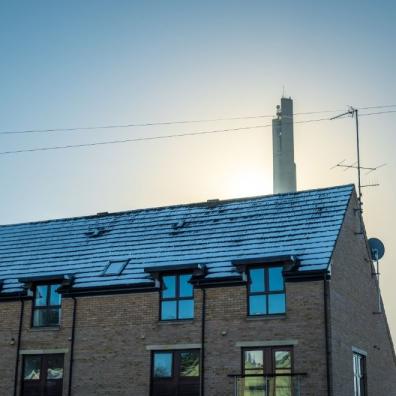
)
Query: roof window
[{"x": 115, "y": 267}]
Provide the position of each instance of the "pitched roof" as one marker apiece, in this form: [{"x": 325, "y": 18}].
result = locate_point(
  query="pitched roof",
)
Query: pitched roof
[{"x": 303, "y": 224}]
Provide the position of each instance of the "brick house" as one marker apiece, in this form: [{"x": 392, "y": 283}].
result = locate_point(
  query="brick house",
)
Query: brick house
[{"x": 271, "y": 295}]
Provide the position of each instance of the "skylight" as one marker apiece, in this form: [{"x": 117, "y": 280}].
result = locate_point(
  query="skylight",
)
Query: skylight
[{"x": 115, "y": 267}]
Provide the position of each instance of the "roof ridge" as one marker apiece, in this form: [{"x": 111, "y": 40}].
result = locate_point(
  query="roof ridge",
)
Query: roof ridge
[{"x": 209, "y": 203}]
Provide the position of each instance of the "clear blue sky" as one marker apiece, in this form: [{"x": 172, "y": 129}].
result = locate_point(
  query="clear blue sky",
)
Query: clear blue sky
[{"x": 82, "y": 63}]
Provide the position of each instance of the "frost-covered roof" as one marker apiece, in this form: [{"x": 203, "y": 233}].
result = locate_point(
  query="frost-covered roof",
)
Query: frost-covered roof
[{"x": 303, "y": 224}]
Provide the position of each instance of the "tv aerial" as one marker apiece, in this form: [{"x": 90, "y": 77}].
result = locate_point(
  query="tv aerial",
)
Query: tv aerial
[
  {"x": 354, "y": 113},
  {"x": 377, "y": 251}
]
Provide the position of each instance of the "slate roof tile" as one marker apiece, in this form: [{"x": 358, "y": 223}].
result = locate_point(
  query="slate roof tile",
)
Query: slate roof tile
[{"x": 305, "y": 224}]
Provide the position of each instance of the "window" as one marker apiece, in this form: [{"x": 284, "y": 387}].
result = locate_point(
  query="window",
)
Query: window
[
  {"x": 46, "y": 305},
  {"x": 177, "y": 297},
  {"x": 42, "y": 375},
  {"x": 176, "y": 372},
  {"x": 266, "y": 290},
  {"x": 276, "y": 362},
  {"x": 115, "y": 267},
  {"x": 359, "y": 374}
]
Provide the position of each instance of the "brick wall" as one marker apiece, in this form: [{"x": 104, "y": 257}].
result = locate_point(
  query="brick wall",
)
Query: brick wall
[
  {"x": 113, "y": 332},
  {"x": 353, "y": 299}
]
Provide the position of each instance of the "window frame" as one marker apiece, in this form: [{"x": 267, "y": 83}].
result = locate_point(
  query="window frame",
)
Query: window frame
[
  {"x": 268, "y": 356},
  {"x": 363, "y": 368},
  {"x": 43, "y": 380},
  {"x": 267, "y": 292},
  {"x": 124, "y": 263},
  {"x": 177, "y": 297},
  {"x": 175, "y": 378},
  {"x": 47, "y": 307}
]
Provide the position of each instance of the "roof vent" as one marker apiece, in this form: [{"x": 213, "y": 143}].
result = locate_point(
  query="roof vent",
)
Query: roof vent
[
  {"x": 94, "y": 232},
  {"x": 179, "y": 224},
  {"x": 102, "y": 213},
  {"x": 212, "y": 202}
]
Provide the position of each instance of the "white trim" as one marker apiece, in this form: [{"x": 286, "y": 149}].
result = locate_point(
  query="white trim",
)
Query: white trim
[
  {"x": 360, "y": 351},
  {"x": 170, "y": 347},
  {"x": 42, "y": 351},
  {"x": 248, "y": 344}
]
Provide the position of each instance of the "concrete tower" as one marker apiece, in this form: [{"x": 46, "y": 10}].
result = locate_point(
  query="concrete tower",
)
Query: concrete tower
[{"x": 284, "y": 168}]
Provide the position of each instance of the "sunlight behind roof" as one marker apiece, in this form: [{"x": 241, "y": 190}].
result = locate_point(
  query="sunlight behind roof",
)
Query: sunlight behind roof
[{"x": 248, "y": 182}]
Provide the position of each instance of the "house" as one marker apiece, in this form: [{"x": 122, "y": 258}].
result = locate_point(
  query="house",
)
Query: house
[{"x": 270, "y": 295}]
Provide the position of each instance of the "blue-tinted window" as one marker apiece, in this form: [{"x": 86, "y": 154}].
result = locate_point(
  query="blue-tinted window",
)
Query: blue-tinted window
[
  {"x": 257, "y": 305},
  {"x": 275, "y": 279},
  {"x": 276, "y": 303},
  {"x": 169, "y": 286},
  {"x": 186, "y": 309},
  {"x": 266, "y": 291},
  {"x": 177, "y": 297},
  {"x": 46, "y": 306},
  {"x": 185, "y": 287},
  {"x": 257, "y": 280},
  {"x": 169, "y": 310},
  {"x": 55, "y": 297},
  {"x": 40, "y": 298},
  {"x": 163, "y": 362},
  {"x": 115, "y": 267}
]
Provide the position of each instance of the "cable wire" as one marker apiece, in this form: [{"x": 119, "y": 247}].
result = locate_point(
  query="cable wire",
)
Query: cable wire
[
  {"x": 377, "y": 112},
  {"x": 120, "y": 141},
  {"x": 165, "y": 123},
  {"x": 70, "y": 146},
  {"x": 148, "y": 124}
]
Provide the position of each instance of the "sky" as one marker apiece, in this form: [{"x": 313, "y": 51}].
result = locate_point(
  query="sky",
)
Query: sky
[{"x": 100, "y": 62}]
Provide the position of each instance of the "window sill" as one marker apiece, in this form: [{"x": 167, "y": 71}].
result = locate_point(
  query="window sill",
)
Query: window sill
[
  {"x": 45, "y": 328},
  {"x": 176, "y": 322},
  {"x": 266, "y": 317}
]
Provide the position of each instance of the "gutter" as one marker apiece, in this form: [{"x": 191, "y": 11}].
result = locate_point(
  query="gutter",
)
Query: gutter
[
  {"x": 203, "y": 317},
  {"x": 69, "y": 392},
  {"x": 18, "y": 346}
]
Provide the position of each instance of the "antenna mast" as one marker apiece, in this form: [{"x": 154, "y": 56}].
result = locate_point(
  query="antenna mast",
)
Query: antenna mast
[{"x": 354, "y": 113}]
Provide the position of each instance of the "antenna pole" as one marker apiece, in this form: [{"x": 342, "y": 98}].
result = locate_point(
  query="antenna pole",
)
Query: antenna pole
[
  {"x": 355, "y": 113},
  {"x": 378, "y": 284}
]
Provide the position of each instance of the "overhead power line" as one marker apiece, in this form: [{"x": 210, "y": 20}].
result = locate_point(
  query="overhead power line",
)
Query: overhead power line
[
  {"x": 149, "y": 124},
  {"x": 120, "y": 141},
  {"x": 378, "y": 112},
  {"x": 165, "y": 123},
  {"x": 69, "y": 146},
  {"x": 376, "y": 107}
]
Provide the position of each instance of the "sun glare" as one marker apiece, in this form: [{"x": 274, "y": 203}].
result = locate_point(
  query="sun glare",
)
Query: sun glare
[{"x": 249, "y": 182}]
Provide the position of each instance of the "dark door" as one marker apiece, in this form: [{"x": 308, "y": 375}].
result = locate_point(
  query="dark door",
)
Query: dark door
[
  {"x": 42, "y": 375},
  {"x": 176, "y": 373}
]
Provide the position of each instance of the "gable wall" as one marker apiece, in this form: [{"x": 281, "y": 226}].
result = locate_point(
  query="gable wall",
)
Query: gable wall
[{"x": 353, "y": 301}]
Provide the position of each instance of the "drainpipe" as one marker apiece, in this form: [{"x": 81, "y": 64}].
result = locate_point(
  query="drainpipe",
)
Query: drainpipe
[
  {"x": 18, "y": 346},
  {"x": 72, "y": 346},
  {"x": 327, "y": 336},
  {"x": 202, "y": 381}
]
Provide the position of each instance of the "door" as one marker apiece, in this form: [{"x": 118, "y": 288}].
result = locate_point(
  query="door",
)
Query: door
[
  {"x": 175, "y": 373},
  {"x": 268, "y": 371},
  {"x": 42, "y": 375}
]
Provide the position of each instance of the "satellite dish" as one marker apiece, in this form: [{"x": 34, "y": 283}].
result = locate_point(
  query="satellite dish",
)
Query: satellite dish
[{"x": 377, "y": 248}]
